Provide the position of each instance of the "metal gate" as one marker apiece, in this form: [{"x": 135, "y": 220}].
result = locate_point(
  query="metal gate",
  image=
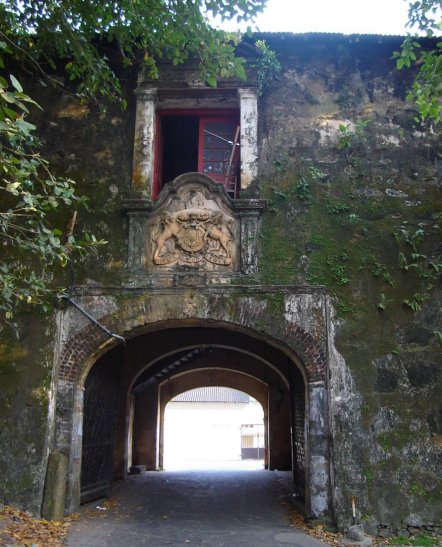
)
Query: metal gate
[
  {"x": 252, "y": 442},
  {"x": 100, "y": 412},
  {"x": 298, "y": 431}
]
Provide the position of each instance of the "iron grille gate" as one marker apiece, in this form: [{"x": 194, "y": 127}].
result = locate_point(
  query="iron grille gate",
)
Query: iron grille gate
[
  {"x": 299, "y": 437},
  {"x": 100, "y": 412}
]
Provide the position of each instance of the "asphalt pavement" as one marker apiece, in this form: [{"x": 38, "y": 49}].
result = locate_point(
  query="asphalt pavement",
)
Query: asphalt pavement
[{"x": 225, "y": 507}]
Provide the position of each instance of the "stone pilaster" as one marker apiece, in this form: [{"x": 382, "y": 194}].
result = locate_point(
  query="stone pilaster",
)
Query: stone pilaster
[
  {"x": 249, "y": 135},
  {"x": 144, "y": 141}
]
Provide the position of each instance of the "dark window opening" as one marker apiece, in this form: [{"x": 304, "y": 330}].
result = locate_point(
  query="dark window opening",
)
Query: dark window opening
[
  {"x": 205, "y": 142},
  {"x": 180, "y": 146}
]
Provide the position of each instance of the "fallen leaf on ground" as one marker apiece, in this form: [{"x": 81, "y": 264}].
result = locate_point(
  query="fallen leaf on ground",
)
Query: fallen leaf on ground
[
  {"x": 23, "y": 529},
  {"x": 319, "y": 531}
]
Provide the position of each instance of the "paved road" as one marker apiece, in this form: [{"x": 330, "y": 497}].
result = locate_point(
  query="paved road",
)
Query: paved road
[{"x": 225, "y": 508}]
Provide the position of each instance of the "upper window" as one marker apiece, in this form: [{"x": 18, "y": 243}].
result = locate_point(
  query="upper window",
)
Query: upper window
[{"x": 203, "y": 141}]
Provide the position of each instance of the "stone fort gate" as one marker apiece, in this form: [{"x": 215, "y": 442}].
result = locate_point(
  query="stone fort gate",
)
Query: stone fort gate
[
  {"x": 187, "y": 321},
  {"x": 183, "y": 283}
]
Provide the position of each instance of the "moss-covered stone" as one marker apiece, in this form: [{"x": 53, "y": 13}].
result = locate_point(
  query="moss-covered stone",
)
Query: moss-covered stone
[{"x": 356, "y": 210}]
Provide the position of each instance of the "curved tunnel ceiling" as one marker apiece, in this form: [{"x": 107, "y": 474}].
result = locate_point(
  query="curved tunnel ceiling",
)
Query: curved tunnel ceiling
[
  {"x": 205, "y": 377},
  {"x": 204, "y": 357},
  {"x": 156, "y": 355}
]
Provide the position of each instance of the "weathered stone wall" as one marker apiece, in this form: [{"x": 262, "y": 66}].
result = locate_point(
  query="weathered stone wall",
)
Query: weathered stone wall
[
  {"x": 95, "y": 149},
  {"x": 26, "y": 411},
  {"x": 353, "y": 184},
  {"x": 344, "y": 168}
]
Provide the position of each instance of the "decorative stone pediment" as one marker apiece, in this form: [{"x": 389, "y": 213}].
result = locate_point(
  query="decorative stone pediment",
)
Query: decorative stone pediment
[{"x": 194, "y": 227}]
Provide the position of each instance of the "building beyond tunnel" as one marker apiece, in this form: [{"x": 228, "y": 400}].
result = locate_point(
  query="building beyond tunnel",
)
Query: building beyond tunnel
[{"x": 284, "y": 244}]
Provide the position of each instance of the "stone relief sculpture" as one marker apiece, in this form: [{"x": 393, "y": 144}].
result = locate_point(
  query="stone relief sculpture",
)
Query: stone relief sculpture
[{"x": 192, "y": 236}]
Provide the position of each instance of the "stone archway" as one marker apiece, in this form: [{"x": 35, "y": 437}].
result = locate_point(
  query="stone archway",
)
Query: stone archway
[
  {"x": 204, "y": 354},
  {"x": 158, "y": 331}
]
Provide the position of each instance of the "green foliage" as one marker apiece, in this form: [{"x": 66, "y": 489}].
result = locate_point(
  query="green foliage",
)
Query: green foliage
[
  {"x": 299, "y": 187},
  {"x": 307, "y": 177},
  {"x": 369, "y": 476},
  {"x": 415, "y": 301},
  {"x": 384, "y": 440},
  {"x": 350, "y": 136},
  {"x": 334, "y": 208},
  {"x": 383, "y": 303},
  {"x": 411, "y": 257},
  {"x": 418, "y": 490},
  {"x": 303, "y": 189},
  {"x": 425, "y": 16},
  {"x": 419, "y": 541},
  {"x": 332, "y": 267},
  {"x": 31, "y": 246},
  {"x": 87, "y": 38},
  {"x": 380, "y": 271},
  {"x": 268, "y": 67}
]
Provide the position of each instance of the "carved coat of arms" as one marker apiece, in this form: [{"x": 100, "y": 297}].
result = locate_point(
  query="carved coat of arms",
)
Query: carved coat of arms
[{"x": 192, "y": 236}]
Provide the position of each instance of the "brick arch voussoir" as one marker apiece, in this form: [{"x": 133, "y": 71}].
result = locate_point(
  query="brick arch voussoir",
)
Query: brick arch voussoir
[
  {"x": 90, "y": 339},
  {"x": 310, "y": 351},
  {"x": 78, "y": 348}
]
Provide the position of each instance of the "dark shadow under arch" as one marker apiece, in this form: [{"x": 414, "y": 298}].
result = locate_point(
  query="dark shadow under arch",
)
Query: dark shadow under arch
[{"x": 158, "y": 352}]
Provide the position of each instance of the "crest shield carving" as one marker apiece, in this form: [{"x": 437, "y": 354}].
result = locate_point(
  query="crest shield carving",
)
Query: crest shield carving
[
  {"x": 194, "y": 233},
  {"x": 193, "y": 227}
]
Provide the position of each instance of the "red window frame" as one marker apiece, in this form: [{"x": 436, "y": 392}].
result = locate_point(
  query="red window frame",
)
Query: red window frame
[
  {"x": 220, "y": 152},
  {"x": 205, "y": 116}
]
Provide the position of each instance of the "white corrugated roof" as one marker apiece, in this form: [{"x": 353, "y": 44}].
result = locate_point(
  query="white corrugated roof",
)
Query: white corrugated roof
[{"x": 212, "y": 394}]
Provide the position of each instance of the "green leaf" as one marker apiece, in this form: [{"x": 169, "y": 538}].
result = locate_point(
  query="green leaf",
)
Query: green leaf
[
  {"x": 8, "y": 97},
  {"x": 15, "y": 83},
  {"x": 211, "y": 80}
]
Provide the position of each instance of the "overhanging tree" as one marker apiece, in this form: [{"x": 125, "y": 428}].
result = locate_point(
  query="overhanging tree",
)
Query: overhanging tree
[
  {"x": 79, "y": 37},
  {"x": 31, "y": 246},
  {"x": 76, "y": 32},
  {"x": 424, "y": 16}
]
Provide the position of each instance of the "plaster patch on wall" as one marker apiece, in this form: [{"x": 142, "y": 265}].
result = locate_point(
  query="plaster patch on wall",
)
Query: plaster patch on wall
[
  {"x": 319, "y": 503},
  {"x": 194, "y": 305},
  {"x": 73, "y": 110},
  {"x": 392, "y": 193},
  {"x": 307, "y": 311},
  {"x": 113, "y": 189},
  {"x": 391, "y": 140},
  {"x": 329, "y": 130},
  {"x": 251, "y": 309},
  {"x": 346, "y": 431},
  {"x": 345, "y": 400},
  {"x": 385, "y": 420}
]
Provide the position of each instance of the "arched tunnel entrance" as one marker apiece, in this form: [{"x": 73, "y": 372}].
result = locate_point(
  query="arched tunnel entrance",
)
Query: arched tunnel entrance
[
  {"x": 111, "y": 397},
  {"x": 127, "y": 389},
  {"x": 213, "y": 428}
]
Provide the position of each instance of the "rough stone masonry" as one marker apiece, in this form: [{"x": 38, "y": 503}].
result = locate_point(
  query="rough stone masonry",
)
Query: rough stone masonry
[{"x": 319, "y": 275}]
